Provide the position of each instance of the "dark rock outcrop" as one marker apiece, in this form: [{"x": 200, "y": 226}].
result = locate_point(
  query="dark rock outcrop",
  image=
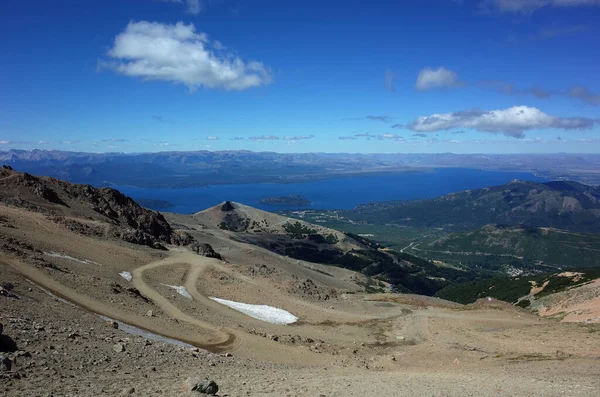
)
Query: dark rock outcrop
[
  {"x": 204, "y": 249},
  {"x": 227, "y": 206}
]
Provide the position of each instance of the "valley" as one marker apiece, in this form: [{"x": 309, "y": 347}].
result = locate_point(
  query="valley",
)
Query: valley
[{"x": 74, "y": 256}]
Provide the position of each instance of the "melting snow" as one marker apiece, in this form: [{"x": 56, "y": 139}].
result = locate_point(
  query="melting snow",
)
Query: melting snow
[
  {"x": 126, "y": 275},
  {"x": 63, "y": 256},
  {"x": 180, "y": 290},
  {"x": 265, "y": 313}
]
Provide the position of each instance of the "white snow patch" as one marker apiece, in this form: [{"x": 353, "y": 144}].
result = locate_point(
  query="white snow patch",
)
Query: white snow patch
[
  {"x": 63, "y": 256},
  {"x": 180, "y": 290},
  {"x": 265, "y": 313},
  {"x": 126, "y": 275}
]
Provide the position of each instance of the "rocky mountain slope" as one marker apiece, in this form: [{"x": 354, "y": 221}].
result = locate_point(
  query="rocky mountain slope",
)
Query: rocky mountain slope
[
  {"x": 564, "y": 205},
  {"x": 90, "y": 210}
]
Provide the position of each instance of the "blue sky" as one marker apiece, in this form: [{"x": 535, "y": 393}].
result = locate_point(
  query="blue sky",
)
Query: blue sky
[{"x": 470, "y": 76}]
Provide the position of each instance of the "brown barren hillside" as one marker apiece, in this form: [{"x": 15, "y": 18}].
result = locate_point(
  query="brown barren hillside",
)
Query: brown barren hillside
[{"x": 88, "y": 314}]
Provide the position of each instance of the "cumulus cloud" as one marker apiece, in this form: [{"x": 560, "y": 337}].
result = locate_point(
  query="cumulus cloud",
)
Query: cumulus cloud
[
  {"x": 429, "y": 78},
  {"x": 529, "y": 6},
  {"x": 212, "y": 138},
  {"x": 192, "y": 6},
  {"x": 178, "y": 54},
  {"x": 264, "y": 138},
  {"x": 388, "y": 79},
  {"x": 511, "y": 122}
]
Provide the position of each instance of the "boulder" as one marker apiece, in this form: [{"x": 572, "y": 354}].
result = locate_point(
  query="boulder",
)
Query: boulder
[
  {"x": 206, "y": 386},
  {"x": 119, "y": 347}
]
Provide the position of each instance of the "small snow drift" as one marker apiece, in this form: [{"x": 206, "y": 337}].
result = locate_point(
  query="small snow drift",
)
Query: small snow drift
[
  {"x": 265, "y": 313},
  {"x": 63, "y": 256},
  {"x": 180, "y": 290},
  {"x": 126, "y": 275}
]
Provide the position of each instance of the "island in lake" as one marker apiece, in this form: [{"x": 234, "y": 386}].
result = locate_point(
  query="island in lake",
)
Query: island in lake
[{"x": 291, "y": 200}]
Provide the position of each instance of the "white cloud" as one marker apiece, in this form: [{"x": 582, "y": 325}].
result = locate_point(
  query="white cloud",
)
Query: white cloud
[
  {"x": 529, "y": 6},
  {"x": 510, "y": 122},
  {"x": 212, "y": 138},
  {"x": 437, "y": 78},
  {"x": 193, "y": 6},
  {"x": 176, "y": 53}
]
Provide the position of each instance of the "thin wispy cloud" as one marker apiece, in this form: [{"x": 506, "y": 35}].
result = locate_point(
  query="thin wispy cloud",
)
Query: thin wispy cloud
[
  {"x": 347, "y": 138},
  {"x": 192, "y": 6},
  {"x": 388, "y": 137},
  {"x": 530, "y": 6},
  {"x": 579, "y": 92},
  {"x": 298, "y": 138},
  {"x": 178, "y": 54},
  {"x": 441, "y": 77},
  {"x": 547, "y": 33},
  {"x": 264, "y": 138},
  {"x": 420, "y": 134},
  {"x": 385, "y": 119},
  {"x": 583, "y": 93},
  {"x": 365, "y": 135},
  {"x": 512, "y": 122},
  {"x": 388, "y": 80},
  {"x": 116, "y": 140},
  {"x": 212, "y": 138},
  {"x": 237, "y": 138}
]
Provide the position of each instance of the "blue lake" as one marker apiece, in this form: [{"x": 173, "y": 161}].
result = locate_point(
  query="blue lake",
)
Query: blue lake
[{"x": 340, "y": 193}]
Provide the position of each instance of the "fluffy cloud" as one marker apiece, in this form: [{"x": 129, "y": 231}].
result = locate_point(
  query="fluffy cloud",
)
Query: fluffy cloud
[
  {"x": 389, "y": 78},
  {"x": 193, "y": 6},
  {"x": 212, "y": 138},
  {"x": 429, "y": 78},
  {"x": 529, "y": 6},
  {"x": 510, "y": 122},
  {"x": 177, "y": 53}
]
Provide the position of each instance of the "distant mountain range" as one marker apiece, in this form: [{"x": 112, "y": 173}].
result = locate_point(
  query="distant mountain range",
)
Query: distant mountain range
[
  {"x": 199, "y": 168},
  {"x": 564, "y": 205}
]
